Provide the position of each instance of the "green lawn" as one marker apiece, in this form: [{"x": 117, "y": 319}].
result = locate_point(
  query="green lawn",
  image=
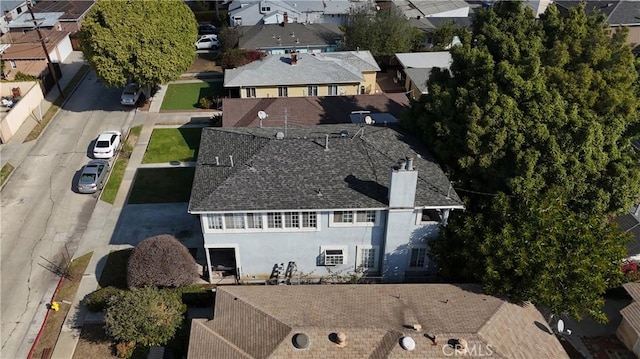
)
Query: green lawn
[
  {"x": 162, "y": 185},
  {"x": 172, "y": 144},
  {"x": 186, "y": 96}
]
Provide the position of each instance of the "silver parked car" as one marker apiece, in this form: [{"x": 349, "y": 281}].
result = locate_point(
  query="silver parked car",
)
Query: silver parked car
[
  {"x": 93, "y": 176},
  {"x": 131, "y": 94}
]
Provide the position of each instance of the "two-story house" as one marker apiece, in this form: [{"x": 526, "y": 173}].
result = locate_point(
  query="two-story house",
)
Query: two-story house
[
  {"x": 295, "y": 74},
  {"x": 252, "y": 12},
  {"x": 316, "y": 201},
  {"x": 10, "y": 10}
]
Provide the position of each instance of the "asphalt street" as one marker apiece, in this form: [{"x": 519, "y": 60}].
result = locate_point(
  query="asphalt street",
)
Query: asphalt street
[{"x": 43, "y": 218}]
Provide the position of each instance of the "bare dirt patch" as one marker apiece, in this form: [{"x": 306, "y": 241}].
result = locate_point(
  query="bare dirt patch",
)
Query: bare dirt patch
[
  {"x": 94, "y": 343},
  {"x": 208, "y": 62}
]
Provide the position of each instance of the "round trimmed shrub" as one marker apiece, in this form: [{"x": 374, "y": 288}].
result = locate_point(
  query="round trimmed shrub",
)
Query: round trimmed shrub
[
  {"x": 161, "y": 261},
  {"x": 99, "y": 299}
]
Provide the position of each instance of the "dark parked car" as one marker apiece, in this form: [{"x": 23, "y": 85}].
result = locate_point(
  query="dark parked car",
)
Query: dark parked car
[
  {"x": 93, "y": 176},
  {"x": 207, "y": 29}
]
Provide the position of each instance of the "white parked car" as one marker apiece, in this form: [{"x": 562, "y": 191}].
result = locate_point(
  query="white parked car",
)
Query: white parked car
[
  {"x": 107, "y": 144},
  {"x": 207, "y": 42},
  {"x": 131, "y": 94}
]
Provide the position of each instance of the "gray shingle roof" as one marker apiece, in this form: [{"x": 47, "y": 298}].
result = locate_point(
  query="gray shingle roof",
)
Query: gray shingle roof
[
  {"x": 259, "y": 322},
  {"x": 323, "y": 68},
  {"x": 297, "y": 172},
  {"x": 630, "y": 224},
  {"x": 616, "y": 12},
  {"x": 266, "y": 36}
]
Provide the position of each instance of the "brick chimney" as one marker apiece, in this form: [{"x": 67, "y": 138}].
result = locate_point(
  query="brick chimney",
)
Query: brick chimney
[{"x": 294, "y": 58}]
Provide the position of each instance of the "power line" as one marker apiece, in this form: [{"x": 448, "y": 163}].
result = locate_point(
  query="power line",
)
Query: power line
[{"x": 44, "y": 47}]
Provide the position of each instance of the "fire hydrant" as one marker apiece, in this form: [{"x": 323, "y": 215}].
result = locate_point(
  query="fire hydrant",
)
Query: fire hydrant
[{"x": 55, "y": 306}]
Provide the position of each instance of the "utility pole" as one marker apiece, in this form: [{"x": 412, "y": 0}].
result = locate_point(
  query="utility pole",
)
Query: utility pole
[{"x": 44, "y": 48}]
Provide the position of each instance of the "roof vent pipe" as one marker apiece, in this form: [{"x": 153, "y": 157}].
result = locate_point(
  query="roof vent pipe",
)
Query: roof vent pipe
[
  {"x": 410, "y": 164},
  {"x": 217, "y": 161},
  {"x": 326, "y": 142},
  {"x": 402, "y": 166},
  {"x": 341, "y": 340},
  {"x": 231, "y": 158}
]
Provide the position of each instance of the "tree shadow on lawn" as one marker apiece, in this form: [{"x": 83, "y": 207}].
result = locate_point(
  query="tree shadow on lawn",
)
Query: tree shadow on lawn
[
  {"x": 214, "y": 89},
  {"x": 192, "y": 137}
]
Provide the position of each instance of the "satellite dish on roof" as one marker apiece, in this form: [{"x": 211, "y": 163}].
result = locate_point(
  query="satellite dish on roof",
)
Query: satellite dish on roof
[
  {"x": 262, "y": 115},
  {"x": 368, "y": 120}
]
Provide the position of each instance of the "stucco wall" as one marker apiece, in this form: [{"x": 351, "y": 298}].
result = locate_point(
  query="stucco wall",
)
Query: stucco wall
[
  {"x": 12, "y": 120},
  {"x": 301, "y": 91},
  {"x": 258, "y": 252}
]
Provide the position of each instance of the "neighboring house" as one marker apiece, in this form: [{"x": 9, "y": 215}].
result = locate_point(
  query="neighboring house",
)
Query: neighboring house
[
  {"x": 418, "y": 9},
  {"x": 24, "y": 23},
  {"x": 617, "y": 14},
  {"x": 312, "y": 111},
  {"x": 414, "y": 69},
  {"x": 252, "y": 12},
  {"x": 295, "y": 75},
  {"x": 629, "y": 328},
  {"x": 303, "y": 38},
  {"x": 630, "y": 223},
  {"x": 27, "y": 56},
  {"x": 308, "y": 202},
  {"x": 10, "y": 10},
  {"x": 370, "y": 321},
  {"x": 74, "y": 12}
]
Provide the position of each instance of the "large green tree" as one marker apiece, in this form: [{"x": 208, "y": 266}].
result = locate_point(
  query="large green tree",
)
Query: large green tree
[
  {"x": 383, "y": 32},
  {"x": 535, "y": 249},
  {"x": 544, "y": 112},
  {"x": 532, "y": 104},
  {"x": 149, "y": 42},
  {"x": 147, "y": 316}
]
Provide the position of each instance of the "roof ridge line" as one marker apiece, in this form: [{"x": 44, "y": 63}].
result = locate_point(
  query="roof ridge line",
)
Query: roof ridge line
[{"x": 225, "y": 340}]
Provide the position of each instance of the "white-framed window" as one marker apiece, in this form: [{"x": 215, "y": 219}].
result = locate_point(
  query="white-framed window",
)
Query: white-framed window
[
  {"x": 367, "y": 257},
  {"x": 343, "y": 217},
  {"x": 274, "y": 220},
  {"x": 254, "y": 220},
  {"x": 332, "y": 90},
  {"x": 234, "y": 221},
  {"x": 312, "y": 90},
  {"x": 291, "y": 220},
  {"x": 309, "y": 220},
  {"x": 250, "y": 92},
  {"x": 333, "y": 255},
  {"x": 13, "y": 64},
  {"x": 353, "y": 218},
  {"x": 283, "y": 91},
  {"x": 214, "y": 221},
  {"x": 418, "y": 257},
  {"x": 430, "y": 215}
]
